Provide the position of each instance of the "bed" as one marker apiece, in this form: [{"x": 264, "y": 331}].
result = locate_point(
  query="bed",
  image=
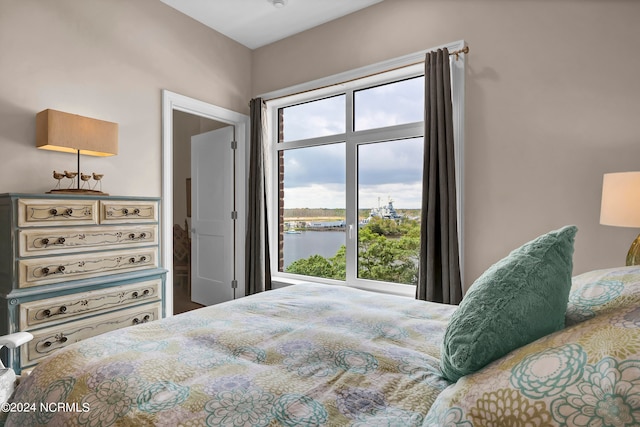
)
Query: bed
[
  {"x": 308, "y": 354},
  {"x": 313, "y": 354}
]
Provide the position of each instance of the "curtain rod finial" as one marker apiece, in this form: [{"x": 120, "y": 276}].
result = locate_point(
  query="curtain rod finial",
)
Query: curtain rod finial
[{"x": 458, "y": 52}]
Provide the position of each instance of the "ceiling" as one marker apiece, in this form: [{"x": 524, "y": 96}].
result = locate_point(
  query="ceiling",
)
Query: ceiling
[{"x": 256, "y": 23}]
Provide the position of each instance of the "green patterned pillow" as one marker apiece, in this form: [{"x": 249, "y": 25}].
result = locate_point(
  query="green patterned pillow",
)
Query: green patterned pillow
[{"x": 516, "y": 301}]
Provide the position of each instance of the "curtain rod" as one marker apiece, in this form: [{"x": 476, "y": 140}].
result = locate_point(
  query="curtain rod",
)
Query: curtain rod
[{"x": 457, "y": 53}]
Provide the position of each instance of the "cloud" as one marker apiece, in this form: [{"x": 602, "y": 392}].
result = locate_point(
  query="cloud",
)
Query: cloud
[
  {"x": 391, "y": 104},
  {"x": 314, "y": 119},
  {"x": 315, "y": 196},
  {"x": 316, "y": 176},
  {"x": 390, "y": 162},
  {"x": 323, "y": 164}
]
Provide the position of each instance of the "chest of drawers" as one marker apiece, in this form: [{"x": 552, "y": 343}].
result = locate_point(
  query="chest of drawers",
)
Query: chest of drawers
[{"x": 72, "y": 267}]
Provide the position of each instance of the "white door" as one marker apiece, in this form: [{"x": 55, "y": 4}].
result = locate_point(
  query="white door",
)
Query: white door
[{"x": 212, "y": 226}]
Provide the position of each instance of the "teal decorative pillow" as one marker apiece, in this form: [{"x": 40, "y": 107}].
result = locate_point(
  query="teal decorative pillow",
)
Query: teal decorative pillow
[{"x": 519, "y": 299}]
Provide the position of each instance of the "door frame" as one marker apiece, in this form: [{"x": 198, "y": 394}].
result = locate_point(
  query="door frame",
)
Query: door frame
[{"x": 173, "y": 101}]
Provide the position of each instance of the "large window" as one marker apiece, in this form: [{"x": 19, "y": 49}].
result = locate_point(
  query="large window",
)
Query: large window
[{"x": 347, "y": 181}]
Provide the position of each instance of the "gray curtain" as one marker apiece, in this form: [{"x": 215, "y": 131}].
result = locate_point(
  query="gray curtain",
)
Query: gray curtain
[
  {"x": 257, "y": 265},
  {"x": 439, "y": 270}
]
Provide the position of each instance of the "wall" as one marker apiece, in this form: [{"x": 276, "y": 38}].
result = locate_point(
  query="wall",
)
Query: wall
[
  {"x": 552, "y": 103},
  {"x": 107, "y": 59}
]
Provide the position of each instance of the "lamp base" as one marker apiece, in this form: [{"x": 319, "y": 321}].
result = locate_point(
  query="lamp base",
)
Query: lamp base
[
  {"x": 77, "y": 191},
  {"x": 633, "y": 257}
]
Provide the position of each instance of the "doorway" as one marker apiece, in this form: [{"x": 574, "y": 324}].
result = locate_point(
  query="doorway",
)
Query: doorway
[
  {"x": 182, "y": 115},
  {"x": 186, "y": 127}
]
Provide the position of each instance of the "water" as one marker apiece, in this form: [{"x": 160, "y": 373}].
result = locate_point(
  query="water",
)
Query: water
[{"x": 307, "y": 243}]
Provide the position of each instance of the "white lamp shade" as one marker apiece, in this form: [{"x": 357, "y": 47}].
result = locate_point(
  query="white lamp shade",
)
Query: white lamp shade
[{"x": 621, "y": 199}]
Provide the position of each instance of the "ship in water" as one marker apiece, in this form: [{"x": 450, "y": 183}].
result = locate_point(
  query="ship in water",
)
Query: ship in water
[{"x": 385, "y": 212}]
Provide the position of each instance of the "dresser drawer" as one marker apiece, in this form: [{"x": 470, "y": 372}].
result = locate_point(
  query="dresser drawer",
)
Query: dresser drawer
[
  {"x": 36, "y": 212},
  {"x": 128, "y": 211},
  {"x": 66, "y": 240},
  {"x": 41, "y": 271},
  {"x": 48, "y": 340},
  {"x": 68, "y": 307}
]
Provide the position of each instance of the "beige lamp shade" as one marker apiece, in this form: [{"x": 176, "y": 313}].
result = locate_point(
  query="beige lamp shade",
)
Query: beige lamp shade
[
  {"x": 71, "y": 133},
  {"x": 621, "y": 199}
]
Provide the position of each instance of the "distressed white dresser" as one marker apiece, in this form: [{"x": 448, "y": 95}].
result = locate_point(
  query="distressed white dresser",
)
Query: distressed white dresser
[{"x": 72, "y": 267}]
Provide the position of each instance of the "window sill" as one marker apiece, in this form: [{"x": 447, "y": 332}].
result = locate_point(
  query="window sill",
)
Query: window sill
[{"x": 391, "y": 289}]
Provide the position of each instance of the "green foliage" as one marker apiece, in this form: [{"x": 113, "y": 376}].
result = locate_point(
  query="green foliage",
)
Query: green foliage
[
  {"x": 387, "y": 251},
  {"x": 318, "y": 266},
  {"x": 389, "y": 259}
]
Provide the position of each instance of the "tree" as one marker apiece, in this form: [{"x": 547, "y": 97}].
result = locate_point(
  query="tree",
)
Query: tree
[
  {"x": 388, "y": 259},
  {"x": 319, "y": 266}
]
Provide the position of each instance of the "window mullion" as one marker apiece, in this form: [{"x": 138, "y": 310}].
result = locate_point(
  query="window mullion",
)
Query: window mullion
[
  {"x": 351, "y": 192},
  {"x": 410, "y": 130}
]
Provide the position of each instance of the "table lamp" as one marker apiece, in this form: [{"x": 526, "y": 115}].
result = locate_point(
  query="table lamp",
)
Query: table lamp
[
  {"x": 621, "y": 206},
  {"x": 72, "y": 133}
]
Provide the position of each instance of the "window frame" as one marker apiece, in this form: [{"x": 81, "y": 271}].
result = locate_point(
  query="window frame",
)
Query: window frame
[{"x": 378, "y": 74}]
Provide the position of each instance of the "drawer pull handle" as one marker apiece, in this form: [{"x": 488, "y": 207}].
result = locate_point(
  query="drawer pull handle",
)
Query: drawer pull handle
[
  {"x": 141, "y": 236},
  {"x": 135, "y": 294},
  {"x": 59, "y": 241},
  {"x": 145, "y": 319},
  {"x": 142, "y": 259},
  {"x": 67, "y": 212},
  {"x": 47, "y": 271},
  {"x": 59, "y": 338},
  {"x": 125, "y": 211},
  {"x": 61, "y": 310}
]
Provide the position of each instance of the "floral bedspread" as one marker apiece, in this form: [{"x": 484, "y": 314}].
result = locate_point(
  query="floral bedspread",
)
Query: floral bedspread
[{"x": 305, "y": 355}]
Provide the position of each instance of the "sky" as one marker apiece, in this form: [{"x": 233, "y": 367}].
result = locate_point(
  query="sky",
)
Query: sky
[{"x": 315, "y": 176}]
